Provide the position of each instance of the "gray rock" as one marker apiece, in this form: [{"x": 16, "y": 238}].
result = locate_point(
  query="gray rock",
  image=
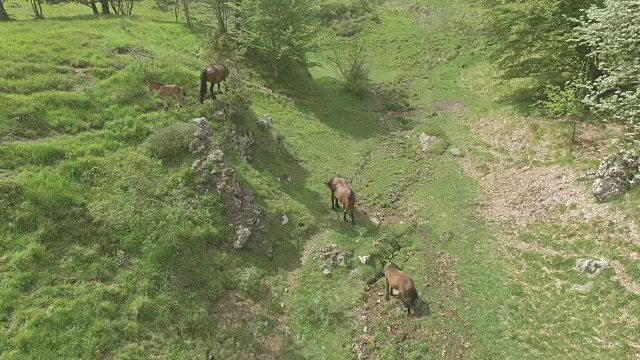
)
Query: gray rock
[
  {"x": 364, "y": 258},
  {"x": 455, "y": 152},
  {"x": 284, "y": 219},
  {"x": 592, "y": 267},
  {"x": 582, "y": 288},
  {"x": 242, "y": 235},
  {"x": 265, "y": 122},
  {"x": 427, "y": 140},
  {"x": 326, "y": 271},
  {"x": 219, "y": 115},
  {"x": 340, "y": 259},
  {"x": 615, "y": 174}
]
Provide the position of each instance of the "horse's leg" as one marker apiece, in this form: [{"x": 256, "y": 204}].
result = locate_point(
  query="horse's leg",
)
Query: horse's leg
[
  {"x": 213, "y": 95},
  {"x": 333, "y": 207},
  {"x": 353, "y": 220},
  {"x": 344, "y": 216},
  {"x": 219, "y": 91},
  {"x": 180, "y": 105},
  {"x": 225, "y": 85},
  {"x": 386, "y": 288},
  {"x": 164, "y": 102}
]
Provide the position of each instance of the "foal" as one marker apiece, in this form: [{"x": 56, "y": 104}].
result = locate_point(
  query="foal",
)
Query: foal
[
  {"x": 341, "y": 191},
  {"x": 396, "y": 279},
  {"x": 167, "y": 90}
]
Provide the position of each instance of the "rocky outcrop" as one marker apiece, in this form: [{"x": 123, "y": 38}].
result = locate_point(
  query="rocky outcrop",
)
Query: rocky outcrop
[
  {"x": 615, "y": 174},
  {"x": 241, "y": 214}
]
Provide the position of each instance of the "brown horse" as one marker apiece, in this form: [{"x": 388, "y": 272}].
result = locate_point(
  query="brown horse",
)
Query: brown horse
[
  {"x": 341, "y": 191},
  {"x": 167, "y": 90},
  {"x": 215, "y": 74},
  {"x": 402, "y": 282}
]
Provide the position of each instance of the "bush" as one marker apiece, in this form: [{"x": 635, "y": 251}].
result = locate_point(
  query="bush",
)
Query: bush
[
  {"x": 351, "y": 64},
  {"x": 127, "y": 130},
  {"x": 248, "y": 280},
  {"x": 170, "y": 144}
]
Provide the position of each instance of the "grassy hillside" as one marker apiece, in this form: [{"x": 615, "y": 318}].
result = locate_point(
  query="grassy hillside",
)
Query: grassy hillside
[{"x": 107, "y": 250}]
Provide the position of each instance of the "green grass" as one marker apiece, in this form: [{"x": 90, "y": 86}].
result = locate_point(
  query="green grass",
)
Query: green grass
[{"x": 106, "y": 248}]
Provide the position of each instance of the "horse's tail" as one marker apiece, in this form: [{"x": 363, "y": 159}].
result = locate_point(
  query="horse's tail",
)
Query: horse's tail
[
  {"x": 226, "y": 71},
  {"x": 413, "y": 296},
  {"x": 203, "y": 84}
]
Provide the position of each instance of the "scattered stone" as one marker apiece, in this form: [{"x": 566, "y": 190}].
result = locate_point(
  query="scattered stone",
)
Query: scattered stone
[
  {"x": 282, "y": 305},
  {"x": 243, "y": 143},
  {"x": 427, "y": 140},
  {"x": 265, "y": 122},
  {"x": 615, "y": 174},
  {"x": 375, "y": 221},
  {"x": 455, "y": 152},
  {"x": 364, "y": 258},
  {"x": 330, "y": 256},
  {"x": 378, "y": 301},
  {"x": 326, "y": 271},
  {"x": 286, "y": 290},
  {"x": 593, "y": 267},
  {"x": 582, "y": 288},
  {"x": 380, "y": 293},
  {"x": 284, "y": 219}
]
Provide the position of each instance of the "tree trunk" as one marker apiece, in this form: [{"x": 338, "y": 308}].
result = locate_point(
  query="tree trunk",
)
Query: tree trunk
[
  {"x": 105, "y": 7},
  {"x": 94, "y": 7},
  {"x": 3, "y": 12}
]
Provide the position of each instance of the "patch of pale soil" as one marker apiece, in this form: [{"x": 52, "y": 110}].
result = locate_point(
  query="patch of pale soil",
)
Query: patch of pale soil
[
  {"x": 526, "y": 194},
  {"x": 292, "y": 280},
  {"x": 514, "y": 134},
  {"x": 452, "y": 106},
  {"x": 233, "y": 311}
]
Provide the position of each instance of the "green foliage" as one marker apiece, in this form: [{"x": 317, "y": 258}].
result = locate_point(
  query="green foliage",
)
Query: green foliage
[
  {"x": 282, "y": 31},
  {"x": 611, "y": 32},
  {"x": 347, "y": 18},
  {"x": 247, "y": 280},
  {"x": 530, "y": 38},
  {"x": 562, "y": 102},
  {"x": 351, "y": 64},
  {"x": 170, "y": 144}
]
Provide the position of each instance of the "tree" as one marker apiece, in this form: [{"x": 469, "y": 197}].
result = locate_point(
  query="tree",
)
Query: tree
[
  {"x": 36, "y": 6},
  {"x": 281, "y": 31},
  {"x": 3, "y": 13},
  {"x": 221, "y": 9},
  {"x": 613, "y": 33},
  {"x": 529, "y": 39}
]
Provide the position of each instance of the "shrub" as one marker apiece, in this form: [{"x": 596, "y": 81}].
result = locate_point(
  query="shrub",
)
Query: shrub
[
  {"x": 170, "y": 144},
  {"x": 351, "y": 64},
  {"x": 248, "y": 280}
]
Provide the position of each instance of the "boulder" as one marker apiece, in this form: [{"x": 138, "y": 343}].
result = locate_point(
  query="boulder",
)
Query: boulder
[
  {"x": 265, "y": 122},
  {"x": 592, "y": 267},
  {"x": 615, "y": 174},
  {"x": 242, "y": 235},
  {"x": 202, "y": 136},
  {"x": 455, "y": 152},
  {"x": 427, "y": 140}
]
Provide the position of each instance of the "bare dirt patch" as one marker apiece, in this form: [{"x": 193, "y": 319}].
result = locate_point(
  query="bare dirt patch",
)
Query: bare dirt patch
[
  {"x": 451, "y": 106},
  {"x": 237, "y": 314},
  {"x": 526, "y": 194}
]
